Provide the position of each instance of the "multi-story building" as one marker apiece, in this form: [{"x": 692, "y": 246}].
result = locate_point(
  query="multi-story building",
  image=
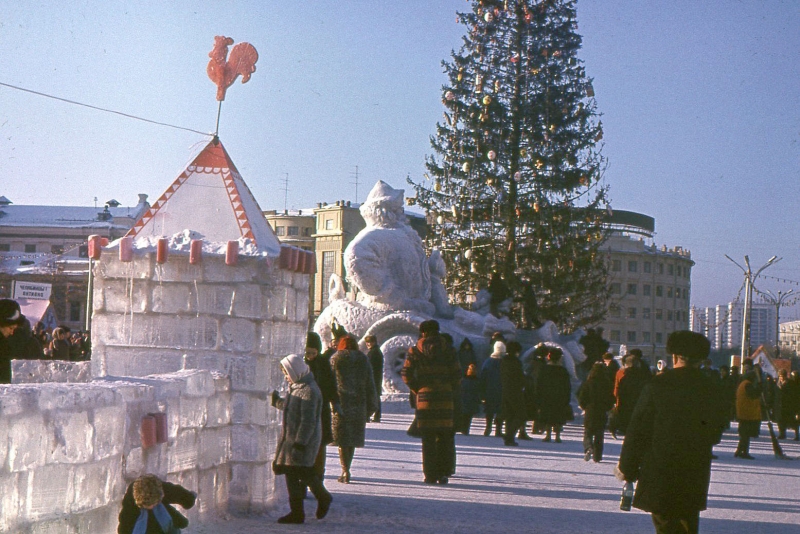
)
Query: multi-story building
[
  {"x": 294, "y": 227},
  {"x": 650, "y": 286},
  {"x": 790, "y": 337},
  {"x": 722, "y": 324},
  {"x": 48, "y": 245}
]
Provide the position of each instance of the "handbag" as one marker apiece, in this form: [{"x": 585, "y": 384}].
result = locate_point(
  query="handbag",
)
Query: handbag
[{"x": 413, "y": 429}]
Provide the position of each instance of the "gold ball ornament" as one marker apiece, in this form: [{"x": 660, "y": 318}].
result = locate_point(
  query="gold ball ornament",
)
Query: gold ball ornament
[
  {"x": 487, "y": 100},
  {"x": 489, "y": 16},
  {"x": 437, "y": 186},
  {"x": 466, "y": 166},
  {"x": 468, "y": 253},
  {"x": 449, "y": 96},
  {"x": 440, "y": 220},
  {"x": 492, "y": 155}
]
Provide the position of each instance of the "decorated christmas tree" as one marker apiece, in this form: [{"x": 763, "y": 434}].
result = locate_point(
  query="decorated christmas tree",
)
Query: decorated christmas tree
[{"x": 514, "y": 188}]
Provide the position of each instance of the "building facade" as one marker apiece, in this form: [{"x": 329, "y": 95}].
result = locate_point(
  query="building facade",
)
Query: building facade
[
  {"x": 650, "y": 287},
  {"x": 722, "y": 324},
  {"x": 48, "y": 245},
  {"x": 789, "y": 341}
]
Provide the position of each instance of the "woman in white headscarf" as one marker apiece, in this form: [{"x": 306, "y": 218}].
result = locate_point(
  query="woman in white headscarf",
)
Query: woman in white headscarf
[{"x": 300, "y": 439}]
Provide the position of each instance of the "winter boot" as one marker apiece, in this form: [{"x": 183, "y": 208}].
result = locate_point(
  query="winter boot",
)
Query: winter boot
[
  {"x": 324, "y": 504},
  {"x": 296, "y": 516},
  {"x": 488, "y": 430}
]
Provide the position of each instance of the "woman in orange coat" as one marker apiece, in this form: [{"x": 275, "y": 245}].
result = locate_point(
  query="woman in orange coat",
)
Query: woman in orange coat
[{"x": 748, "y": 409}]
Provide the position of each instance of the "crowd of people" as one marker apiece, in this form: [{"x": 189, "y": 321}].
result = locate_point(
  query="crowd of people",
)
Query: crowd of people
[{"x": 19, "y": 341}]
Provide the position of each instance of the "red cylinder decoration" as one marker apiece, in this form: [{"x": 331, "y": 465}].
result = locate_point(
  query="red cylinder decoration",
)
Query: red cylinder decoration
[
  {"x": 162, "y": 250},
  {"x": 301, "y": 262},
  {"x": 95, "y": 246},
  {"x": 195, "y": 251},
  {"x": 148, "y": 431},
  {"x": 311, "y": 264},
  {"x": 161, "y": 426},
  {"x": 285, "y": 257},
  {"x": 126, "y": 249},
  {"x": 232, "y": 254},
  {"x": 295, "y": 258}
]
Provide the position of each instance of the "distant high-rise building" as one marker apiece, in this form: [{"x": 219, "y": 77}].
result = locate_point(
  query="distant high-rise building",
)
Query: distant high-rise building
[{"x": 722, "y": 324}]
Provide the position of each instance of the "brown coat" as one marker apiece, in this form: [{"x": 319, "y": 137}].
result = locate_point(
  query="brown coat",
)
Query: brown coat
[{"x": 432, "y": 372}]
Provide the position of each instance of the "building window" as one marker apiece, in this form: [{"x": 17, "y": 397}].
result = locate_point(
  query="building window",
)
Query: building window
[
  {"x": 74, "y": 311},
  {"x": 631, "y": 337},
  {"x": 645, "y": 337},
  {"x": 5, "y": 247},
  {"x": 631, "y": 313},
  {"x": 616, "y": 265},
  {"x": 659, "y": 291},
  {"x": 328, "y": 268},
  {"x": 615, "y": 336},
  {"x": 645, "y": 313},
  {"x": 30, "y": 248},
  {"x": 631, "y": 289},
  {"x": 616, "y": 288},
  {"x": 659, "y": 337},
  {"x": 614, "y": 310},
  {"x": 685, "y": 293},
  {"x": 659, "y": 313},
  {"x": 646, "y": 290},
  {"x": 306, "y": 231},
  {"x": 669, "y": 292},
  {"x": 670, "y": 269},
  {"x": 660, "y": 268},
  {"x": 83, "y": 251},
  {"x": 280, "y": 230},
  {"x": 633, "y": 266},
  {"x": 648, "y": 267},
  {"x": 669, "y": 315},
  {"x": 293, "y": 230},
  {"x": 329, "y": 224},
  {"x": 678, "y": 315},
  {"x": 56, "y": 249}
]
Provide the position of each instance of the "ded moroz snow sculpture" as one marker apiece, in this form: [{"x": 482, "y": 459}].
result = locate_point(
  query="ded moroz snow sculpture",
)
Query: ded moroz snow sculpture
[{"x": 394, "y": 286}]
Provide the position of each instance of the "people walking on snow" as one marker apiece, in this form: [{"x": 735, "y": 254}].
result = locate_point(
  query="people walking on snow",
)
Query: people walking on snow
[
  {"x": 300, "y": 438},
  {"x": 668, "y": 442},
  {"x": 748, "y": 409},
  {"x": 553, "y": 392},
  {"x": 357, "y": 401},
  {"x": 595, "y": 397},
  {"x": 787, "y": 399},
  {"x": 491, "y": 389},
  {"x": 431, "y": 371},
  {"x": 470, "y": 399},
  {"x": 375, "y": 357},
  {"x": 628, "y": 386},
  {"x": 512, "y": 392},
  {"x": 323, "y": 375}
]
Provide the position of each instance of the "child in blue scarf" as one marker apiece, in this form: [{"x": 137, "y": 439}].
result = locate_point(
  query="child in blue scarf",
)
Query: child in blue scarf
[{"x": 146, "y": 507}]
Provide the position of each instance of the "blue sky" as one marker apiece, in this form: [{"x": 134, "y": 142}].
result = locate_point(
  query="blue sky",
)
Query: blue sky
[{"x": 700, "y": 103}]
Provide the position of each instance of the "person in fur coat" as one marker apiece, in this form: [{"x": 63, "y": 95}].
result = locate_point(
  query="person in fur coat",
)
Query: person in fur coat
[
  {"x": 300, "y": 439},
  {"x": 147, "y": 507},
  {"x": 355, "y": 387},
  {"x": 596, "y": 398}
]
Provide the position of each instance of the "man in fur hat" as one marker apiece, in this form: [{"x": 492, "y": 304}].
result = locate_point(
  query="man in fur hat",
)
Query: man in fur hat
[{"x": 667, "y": 447}]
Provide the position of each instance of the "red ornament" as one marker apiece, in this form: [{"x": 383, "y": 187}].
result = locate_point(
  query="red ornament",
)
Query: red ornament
[{"x": 223, "y": 70}]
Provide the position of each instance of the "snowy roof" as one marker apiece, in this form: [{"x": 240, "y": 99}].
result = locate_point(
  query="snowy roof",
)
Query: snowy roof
[
  {"x": 211, "y": 200},
  {"x": 65, "y": 216}
]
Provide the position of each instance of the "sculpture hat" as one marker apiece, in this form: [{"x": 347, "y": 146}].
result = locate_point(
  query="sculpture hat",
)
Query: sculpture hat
[
  {"x": 690, "y": 345},
  {"x": 383, "y": 193}
]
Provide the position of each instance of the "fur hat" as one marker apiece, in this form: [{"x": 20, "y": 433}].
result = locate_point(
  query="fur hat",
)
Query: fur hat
[
  {"x": 429, "y": 327},
  {"x": 608, "y": 356},
  {"x": 10, "y": 313},
  {"x": 499, "y": 349},
  {"x": 147, "y": 491},
  {"x": 313, "y": 341},
  {"x": 690, "y": 345}
]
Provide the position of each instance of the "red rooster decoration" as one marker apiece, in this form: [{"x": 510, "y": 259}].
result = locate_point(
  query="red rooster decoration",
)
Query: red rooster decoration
[{"x": 224, "y": 70}]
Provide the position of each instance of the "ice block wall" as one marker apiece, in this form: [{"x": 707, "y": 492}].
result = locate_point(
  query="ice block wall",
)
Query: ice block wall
[{"x": 199, "y": 343}]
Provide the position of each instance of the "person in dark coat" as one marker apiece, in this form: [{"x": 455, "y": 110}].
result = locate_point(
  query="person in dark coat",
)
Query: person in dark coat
[
  {"x": 595, "y": 397},
  {"x": 553, "y": 393},
  {"x": 323, "y": 375},
  {"x": 466, "y": 355},
  {"x": 748, "y": 409},
  {"x": 667, "y": 448},
  {"x": 24, "y": 344},
  {"x": 299, "y": 441},
  {"x": 431, "y": 371},
  {"x": 470, "y": 399},
  {"x": 512, "y": 392},
  {"x": 784, "y": 408},
  {"x": 612, "y": 367},
  {"x": 10, "y": 319},
  {"x": 491, "y": 389},
  {"x": 532, "y": 369},
  {"x": 594, "y": 346},
  {"x": 147, "y": 507},
  {"x": 375, "y": 356},
  {"x": 357, "y": 401}
]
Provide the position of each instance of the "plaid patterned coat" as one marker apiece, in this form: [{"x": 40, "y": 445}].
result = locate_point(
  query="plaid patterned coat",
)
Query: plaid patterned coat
[{"x": 432, "y": 372}]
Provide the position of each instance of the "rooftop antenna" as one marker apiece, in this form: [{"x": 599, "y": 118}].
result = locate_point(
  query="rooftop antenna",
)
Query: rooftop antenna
[
  {"x": 285, "y": 192},
  {"x": 355, "y": 174}
]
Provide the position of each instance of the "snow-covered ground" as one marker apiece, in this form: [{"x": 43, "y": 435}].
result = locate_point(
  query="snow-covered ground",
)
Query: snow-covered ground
[{"x": 537, "y": 487}]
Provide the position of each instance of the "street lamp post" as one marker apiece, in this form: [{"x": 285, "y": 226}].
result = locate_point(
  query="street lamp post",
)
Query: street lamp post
[
  {"x": 777, "y": 302},
  {"x": 749, "y": 278}
]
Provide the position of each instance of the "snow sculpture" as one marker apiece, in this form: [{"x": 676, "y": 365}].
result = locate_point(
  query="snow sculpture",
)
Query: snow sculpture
[{"x": 394, "y": 286}]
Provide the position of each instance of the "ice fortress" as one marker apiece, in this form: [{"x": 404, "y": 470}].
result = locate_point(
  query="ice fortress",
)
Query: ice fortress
[{"x": 191, "y": 312}]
